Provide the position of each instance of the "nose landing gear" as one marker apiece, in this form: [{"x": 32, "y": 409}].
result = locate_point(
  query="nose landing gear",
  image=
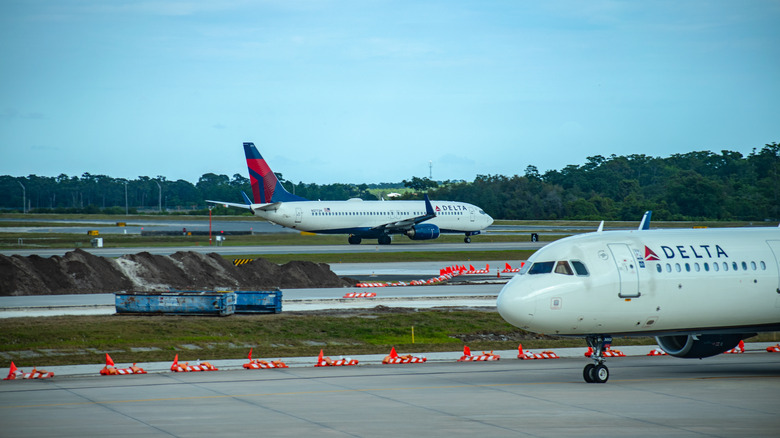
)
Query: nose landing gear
[{"x": 597, "y": 372}]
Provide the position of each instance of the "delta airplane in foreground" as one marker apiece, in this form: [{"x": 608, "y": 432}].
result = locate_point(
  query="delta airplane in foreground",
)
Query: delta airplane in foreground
[
  {"x": 698, "y": 291},
  {"x": 418, "y": 220}
]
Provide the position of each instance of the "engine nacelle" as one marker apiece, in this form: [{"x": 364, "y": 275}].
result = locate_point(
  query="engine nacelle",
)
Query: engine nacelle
[
  {"x": 423, "y": 232},
  {"x": 699, "y": 346}
]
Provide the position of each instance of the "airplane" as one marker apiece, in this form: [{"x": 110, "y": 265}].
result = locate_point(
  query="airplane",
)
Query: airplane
[
  {"x": 699, "y": 292},
  {"x": 358, "y": 218}
]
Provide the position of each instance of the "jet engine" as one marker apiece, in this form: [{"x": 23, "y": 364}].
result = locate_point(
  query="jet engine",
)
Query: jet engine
[
  {"x": 423, "y": 232},
  {"x": 699, "y": 346}
]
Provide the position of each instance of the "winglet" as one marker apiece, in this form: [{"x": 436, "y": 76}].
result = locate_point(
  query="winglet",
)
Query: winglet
[
  {"x": 645, "y": 224},
  {"x": 246, "y": 198},
  {"x": 428, "y": 207},
  {"x": 601, "y": 227}
]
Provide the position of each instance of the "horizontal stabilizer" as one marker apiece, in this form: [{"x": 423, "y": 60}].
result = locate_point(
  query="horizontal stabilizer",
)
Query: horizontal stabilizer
[{"x": 230, "y": 204}]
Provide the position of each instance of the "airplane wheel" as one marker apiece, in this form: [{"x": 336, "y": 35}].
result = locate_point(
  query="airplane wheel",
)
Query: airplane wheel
[
  {"x": 354, "y": 240},
  {"x": 587, "y": 373},
  {"x": 467, "y": 239},
  {"x": 600, "y": 374},
  {"x": 384, "y": 240}
]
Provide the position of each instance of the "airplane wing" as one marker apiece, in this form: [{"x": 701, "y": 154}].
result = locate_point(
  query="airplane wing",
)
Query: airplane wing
[{"x": 405, "y": 224}]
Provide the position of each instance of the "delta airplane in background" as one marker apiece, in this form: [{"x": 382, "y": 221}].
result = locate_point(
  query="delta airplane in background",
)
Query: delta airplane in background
[
  {"x": 698, "y": 291},
  {"x": 419, "y": 220}
]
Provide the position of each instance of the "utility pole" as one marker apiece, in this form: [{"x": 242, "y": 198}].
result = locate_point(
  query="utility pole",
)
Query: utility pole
[
  {"x": 24, "y": 197},
  {"x": 430, "y": 170},
  {"x": 159, "y": 196}
]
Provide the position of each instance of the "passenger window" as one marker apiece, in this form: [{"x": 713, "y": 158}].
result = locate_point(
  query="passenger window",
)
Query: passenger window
[
  {"x": 753, "y": 265},
  {"x": 696, "y": 267},
  {"x": 763, "y": 266},
  {"x": 541, "y": 268},
  {"x": 579, "y": 267},
  {"x": 688, "y": 267},
  {"x": 734, "y": 266},
  {"x": 668, "y": 267},
  {"x": 658, "y": 268},
  {"x": 563, "y": 268},
  {"x": 725, "y": 266},
  {"x": 716, "y": 266},
  {"x": 706, "y": 267},
  {"x": 744, "y": 266},
  {"x": 677, "y": 267}
]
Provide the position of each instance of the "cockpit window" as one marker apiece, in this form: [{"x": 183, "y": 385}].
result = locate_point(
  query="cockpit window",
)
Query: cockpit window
[
  {"x": 579, "y": 267},
  {"x": 541, "y": 268},
  {"x": 562, "y": 267}
]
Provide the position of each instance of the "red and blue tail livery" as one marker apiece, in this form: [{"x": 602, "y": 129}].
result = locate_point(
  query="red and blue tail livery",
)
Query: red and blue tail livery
[
  {"x": 266, "y": 187},
  {"x": 418, "y": 220}
]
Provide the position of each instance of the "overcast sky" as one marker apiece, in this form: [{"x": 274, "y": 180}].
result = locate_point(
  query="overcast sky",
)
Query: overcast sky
[{"x": 372, "y": 91}]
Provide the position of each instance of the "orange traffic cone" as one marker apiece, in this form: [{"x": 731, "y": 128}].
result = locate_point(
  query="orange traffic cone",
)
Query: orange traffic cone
[
  {"x": 466, "y": 350},
  {"x": 520, "y": 350},
  {"x": 109, "y": 361},
  {"x": 250, "y": 355},
  {"x": 393, "y": 353},
  {"x": 12, "y": 372}
]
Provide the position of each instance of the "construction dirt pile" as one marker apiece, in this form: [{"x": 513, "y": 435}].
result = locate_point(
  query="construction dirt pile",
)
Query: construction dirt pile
[{"x": 80, "y": 272}]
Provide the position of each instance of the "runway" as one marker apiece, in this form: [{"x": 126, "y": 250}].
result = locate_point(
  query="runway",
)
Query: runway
[
  {"x": 724, "y": 396},
  {"x": 292, "y": 249}
]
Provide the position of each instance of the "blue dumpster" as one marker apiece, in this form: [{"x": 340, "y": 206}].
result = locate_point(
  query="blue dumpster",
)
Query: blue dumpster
[
  {"x": 263, "y": 301},
  {"x": 176, "y": 303}
]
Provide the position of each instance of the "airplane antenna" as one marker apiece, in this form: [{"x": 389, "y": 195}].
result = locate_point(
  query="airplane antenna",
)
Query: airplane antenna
[{"x": 601, "y": 227}]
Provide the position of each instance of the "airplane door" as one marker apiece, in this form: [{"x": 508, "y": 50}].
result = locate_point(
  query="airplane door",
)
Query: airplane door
[
  {"x": 627, "y": 269},
  {"x": 298, "y": 215},
  {"x": 774, "y": 245},
  {"x": 473, "y": 217}
]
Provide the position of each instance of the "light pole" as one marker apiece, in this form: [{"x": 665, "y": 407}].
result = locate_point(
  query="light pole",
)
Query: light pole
[
  {"x": 126, "y": 209},
  {"x": 159, "y": 196},
  {"x": 24, "y": 197}
]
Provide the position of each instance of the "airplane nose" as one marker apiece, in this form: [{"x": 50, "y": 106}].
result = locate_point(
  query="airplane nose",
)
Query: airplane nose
[{"x": 515, "y": 306}]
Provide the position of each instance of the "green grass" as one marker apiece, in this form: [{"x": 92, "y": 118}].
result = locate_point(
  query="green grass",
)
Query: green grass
[{"x": 66, "y": 340}]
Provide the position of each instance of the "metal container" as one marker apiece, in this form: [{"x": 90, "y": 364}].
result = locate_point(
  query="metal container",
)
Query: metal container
[
  {"x": 176, "y": 303},
  {"x": 263, "y": 301}
]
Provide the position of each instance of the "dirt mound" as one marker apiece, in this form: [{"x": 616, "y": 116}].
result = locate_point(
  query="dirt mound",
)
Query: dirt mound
[{"x": 80, "y": 272}]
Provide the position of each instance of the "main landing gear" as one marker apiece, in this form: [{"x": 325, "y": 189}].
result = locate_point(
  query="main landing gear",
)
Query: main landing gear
[
  {"x": 384, "y": 239},
  {"x": 469, "y": 234},
  {"x": 597, "y": 372}
]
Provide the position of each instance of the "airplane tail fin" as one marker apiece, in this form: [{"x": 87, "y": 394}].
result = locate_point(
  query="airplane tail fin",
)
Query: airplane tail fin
[{"x": 266, "y": 187}]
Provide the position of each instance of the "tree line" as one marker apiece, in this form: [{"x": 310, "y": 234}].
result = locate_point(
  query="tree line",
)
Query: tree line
[{"x": 693, "y": 185}]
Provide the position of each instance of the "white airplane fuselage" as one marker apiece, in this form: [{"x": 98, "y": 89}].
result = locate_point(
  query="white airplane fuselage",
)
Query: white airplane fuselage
[
  {"x": 650, "y": 283},
  {"x": 361, "y": 217}
]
